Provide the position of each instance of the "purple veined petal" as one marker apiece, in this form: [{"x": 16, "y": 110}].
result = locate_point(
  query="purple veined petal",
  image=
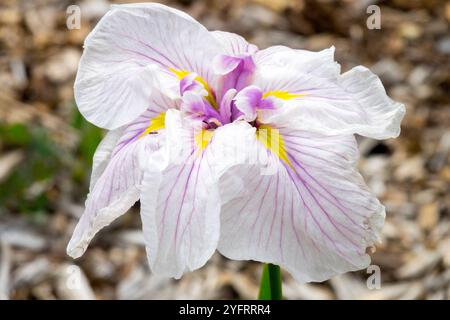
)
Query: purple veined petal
[
  {"x": 251, "y": 102},
  {"x": 193, "y": 103},
  {"x": 236, "y": 113},
  {"x": 234, "y": 44},
  {"x": 236, "y": 72},
  {"x": 224, "y": 64},
  {"x": 320, "y": 63},
  {"x": 114, "y": 190},
  {"x": 158, "y": 104},
  {"x": 103, "y": 154},
  {"x": 354, "y": 102},
  {"x": 268, "y": 103},
  {"x": 180, "y": 205},
  {"x": 325, "y": 102},
  {"x": 132, "y": 47},
  {"x": 247, "y": 101},
  {"x": 226, "y": 106},
  {"x": 196, "y": 105},
  {"x": 236, "y": 63},
  {"x": 188, "y": 83},
  {"x": 315, "y": 217}
]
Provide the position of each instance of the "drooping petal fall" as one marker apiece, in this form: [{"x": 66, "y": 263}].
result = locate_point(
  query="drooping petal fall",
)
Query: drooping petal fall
[
  {"x": 320, "y": 100},
  {"x": 301, "y": 205},
  {"x": 113, "y": 193},
  {"x": 119, "y": 164},
  {"x": 132, "y": 47},
  {"x": 180, "y": 206}
]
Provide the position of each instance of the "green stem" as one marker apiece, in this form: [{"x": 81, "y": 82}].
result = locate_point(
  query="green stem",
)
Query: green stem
[{"x": 270, "y": 288}]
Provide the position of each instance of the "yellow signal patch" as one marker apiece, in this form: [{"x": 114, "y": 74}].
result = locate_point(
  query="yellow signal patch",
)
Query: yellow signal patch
[
  {"x": 284, "y": 95},
  {"x": 202, "y": 138},
  {"x": 156, "y": 123},
  {"x": 210, "y": 98},
  {"x": 273, "y": 141}
]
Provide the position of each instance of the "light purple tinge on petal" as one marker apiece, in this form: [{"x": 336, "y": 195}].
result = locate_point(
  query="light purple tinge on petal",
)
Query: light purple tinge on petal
[
  {"x": 180, "y": 206},
  {"x": 195, "y": 105},
  {"x": 114, "y": 192},
  {"x": 329, "y": 103},
  {"x": 233, "y": 44},
  {"x": 130, "y": 47},
  {"x": 250, "y": 99},
  {"x": 226, "y": 106},
  {"x": 315, "y": 217},
  {"x": 158, "y": 103},
  {"x": 102, "y": 155},
  {"x": 188, "y": 83},
  {"x": 236, "y": 72},
  {"x": 224, "y": 64}
]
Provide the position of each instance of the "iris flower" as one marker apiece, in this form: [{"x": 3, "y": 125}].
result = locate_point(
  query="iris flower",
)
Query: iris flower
[{"x": 228, "y": 147}]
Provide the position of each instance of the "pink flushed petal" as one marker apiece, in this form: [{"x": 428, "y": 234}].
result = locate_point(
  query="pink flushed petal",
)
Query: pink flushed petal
[
  {"x": 245, "y": 72},
  {"x": 226, "y": 105},
  {"x": 237, "y": 64},
  {"x": 188, "y": 83},
  {"x": 114, "y": 192},
  {"x": 304, "y": 207},
  {"x": 195, "y": 105},
  {"x": 224, "y": 64},
  {"x": 314, "y": 216},
  {"x": 103, "y": 154},
  {"x": 236, "y": 72},
  {"x": 250, "y": 100},
  {"x": 247, "y": 102}
]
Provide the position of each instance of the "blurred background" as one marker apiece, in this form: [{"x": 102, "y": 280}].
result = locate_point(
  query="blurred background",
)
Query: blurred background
[{"x": 46, "y": 149}]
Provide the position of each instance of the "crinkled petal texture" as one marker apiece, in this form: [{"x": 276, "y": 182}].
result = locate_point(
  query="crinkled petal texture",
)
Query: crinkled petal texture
[
  {"x": 304, "y": 207},
  {"x": 113, "y": 191},
  {"x": 126, "y": 53},
  {"x": 117, "y": 173},
  {"x": 321, "y": 100},
  {"x": 233, "y": 44},
  {"x": 180, "y": 206}
]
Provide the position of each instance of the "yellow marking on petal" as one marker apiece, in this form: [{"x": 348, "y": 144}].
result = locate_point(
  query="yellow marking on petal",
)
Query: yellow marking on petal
[
  {"x": 284, "y": 95},
  {"x": 202, "y": 138},
  {"x": 273, "y": 141},
  {"x": 179, "y": 73},
  {"x": 156, "y": 123},
  {"x": 210, "y": 97}
]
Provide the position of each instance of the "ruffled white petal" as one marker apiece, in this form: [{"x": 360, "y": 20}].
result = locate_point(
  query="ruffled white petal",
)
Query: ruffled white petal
[
  {"x": 114, "y": 189},
  {"x": 127, "y": 52},
  {"x": 180, "y": 206},
  {"x": 233, "y": 44},
  {"x": 315, "y": 216},
  {"x": 354, "y": 102},
  {"x": 321, "y": 63},
  {"x": 102, "y": 155}
]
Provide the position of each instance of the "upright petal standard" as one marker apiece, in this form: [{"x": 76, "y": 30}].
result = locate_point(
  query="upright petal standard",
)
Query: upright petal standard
[{"x": 250, "y": 152}]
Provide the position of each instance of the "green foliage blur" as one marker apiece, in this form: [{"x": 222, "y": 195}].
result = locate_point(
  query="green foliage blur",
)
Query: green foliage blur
[{"x": 34, "y": 186}]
